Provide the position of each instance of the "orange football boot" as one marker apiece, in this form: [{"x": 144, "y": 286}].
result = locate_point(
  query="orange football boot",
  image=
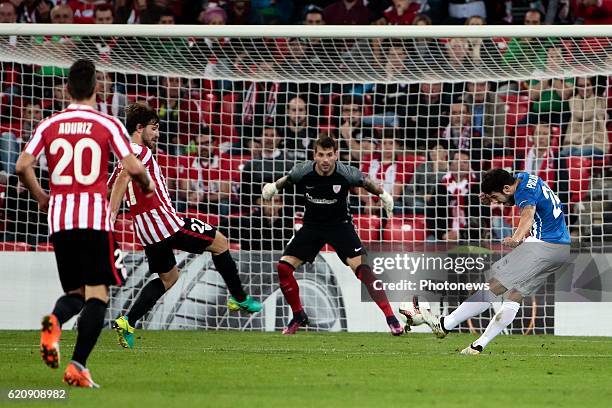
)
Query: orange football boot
[{"x": 50, "y": 334}]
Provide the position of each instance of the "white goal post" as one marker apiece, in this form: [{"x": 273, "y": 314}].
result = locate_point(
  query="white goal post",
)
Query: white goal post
[{"x": 422, "y": 109}]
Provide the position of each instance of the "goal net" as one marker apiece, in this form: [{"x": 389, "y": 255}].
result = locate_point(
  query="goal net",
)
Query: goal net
[{"x": 423, "y": 110}]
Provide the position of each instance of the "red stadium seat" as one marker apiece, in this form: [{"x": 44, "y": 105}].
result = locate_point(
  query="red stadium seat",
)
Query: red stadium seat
[
  {"x": 232, "y": 165},
  {"x": 517, "y": 108},
  {"x": 579, "y": 177},
  {"x": 405, "y": 229},
  {"x": 15, "y": 246},
  {"x": 504, "y": 162},
  {"x": 367, "y": 226},
  {"x": 411, "y": 161}
]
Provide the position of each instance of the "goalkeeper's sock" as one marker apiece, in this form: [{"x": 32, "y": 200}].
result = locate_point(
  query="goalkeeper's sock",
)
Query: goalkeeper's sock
[
  {"x": 499, "y": 322},
  {"x": 68, "y": 306},
  {"x": 289, "y": 286},
  {"x": 148, "y": 296},
  {"x": 366, "y": 276},
  {"x": 477, "y": 303},
  {"x": 226, "y": 266}
]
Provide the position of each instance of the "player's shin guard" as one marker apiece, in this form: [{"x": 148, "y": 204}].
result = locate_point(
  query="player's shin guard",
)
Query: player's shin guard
[
  {"x": 477, "y": 303},
  {"x": 148, "y": 296},
  {"x": 226, "y": 266},
  {"x": 90, "y": 326},
  {"x": 68, "y": 306},
  {"x": 499, "y": 322},
  {"x": 366, "y": 276},
  {"x": 289, "y": 286}
]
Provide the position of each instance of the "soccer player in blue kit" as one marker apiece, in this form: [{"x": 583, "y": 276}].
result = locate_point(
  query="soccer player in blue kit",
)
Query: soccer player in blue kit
[{"x": 521, "y": 272}]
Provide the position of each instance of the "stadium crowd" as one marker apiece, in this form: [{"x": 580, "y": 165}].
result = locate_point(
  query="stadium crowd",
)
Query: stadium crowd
[{"x": 426, "y": 143}]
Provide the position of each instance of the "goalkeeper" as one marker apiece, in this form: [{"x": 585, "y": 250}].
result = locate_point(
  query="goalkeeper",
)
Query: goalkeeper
[{"x": 326, "y": 184}]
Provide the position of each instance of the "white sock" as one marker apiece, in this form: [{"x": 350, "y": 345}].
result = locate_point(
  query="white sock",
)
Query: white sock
[
  {"x": 500, "y": 321},
  {"x": 477, "y": 303}
]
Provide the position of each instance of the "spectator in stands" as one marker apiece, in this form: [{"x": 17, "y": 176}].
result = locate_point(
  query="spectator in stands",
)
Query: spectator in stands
[
  {"x": 540, "y": 157},
  {"x": 272, "y": 165},
  {"x": 426, "y": 179},
  {"x": 460, "y": 10},
  {"x": 298, "y": 136},
  {"x": 458, "y": 133},
  {"x": 457, "y": 56},
  {"x": 213, "y": 15},
  {"x": 8, "y": 13},
  {"x": 550, "y": 101},
  {"x": 105, "y": 45},
  {"x": 104, "y": 14},
  {"x": 427, "y": 113},
  {"x": 11, "y": 140},
  {"x": 454, "y": 212},
  {"x": 402, "y": 12},
  {"x": 528, "y": 53},
  {"x": 586, "y": 134},
  {"x": 390, "y": 100},
  {"x": 238, "y": 12},
  {"x": 266, "y": 228},
  {"x": 484, "y": 50},
  {"x": 386, "y": 169},
  {"x": 313, "y": 15},
  {"x": 136, "y": 12},
  {"x": 209, "y": 189},
  {"x": 166, "y": 17},
  {"x": 592, "y": 11},
  {"x": 24, "y": 221},
  {"x": 62, "y": 14},
  {"x": 351, "y": 129},
  {"x": 108, "y": 100},
  {"x": 180, "y": 116},
  {"x": 488, "y": 117},
  {"x": 59, "y": 99},
  {"x": 347, "y": 12},
  {"x": 84, "y": 10},
  {"x": 33, "y": 11}
]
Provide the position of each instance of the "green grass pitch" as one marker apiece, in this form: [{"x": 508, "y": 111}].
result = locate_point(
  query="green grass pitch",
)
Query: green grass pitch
[{"x": 238, "y": 369}]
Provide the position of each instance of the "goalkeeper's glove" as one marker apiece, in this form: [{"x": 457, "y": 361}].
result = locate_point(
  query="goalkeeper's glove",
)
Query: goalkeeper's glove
[
  {"x": 268, "y": 191},
  {"x": 387, "y": 201}
]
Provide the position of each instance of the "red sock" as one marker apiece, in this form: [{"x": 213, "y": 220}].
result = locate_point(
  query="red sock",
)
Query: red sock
[
  {"x": 365, "y": 275},
  {"x": 289, "y": 286}
]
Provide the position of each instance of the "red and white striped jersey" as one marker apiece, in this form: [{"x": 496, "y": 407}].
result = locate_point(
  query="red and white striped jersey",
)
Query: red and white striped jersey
[
  {"x": 154, "y": 217},
  {"x": 77, "y": 143}
]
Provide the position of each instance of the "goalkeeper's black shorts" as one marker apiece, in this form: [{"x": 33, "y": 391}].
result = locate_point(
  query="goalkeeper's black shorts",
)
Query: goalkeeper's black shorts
[{"x": 308, "y": 241}]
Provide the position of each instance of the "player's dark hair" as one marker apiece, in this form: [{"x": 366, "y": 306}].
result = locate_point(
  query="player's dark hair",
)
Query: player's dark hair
[
  {"x": 494, "y": 181},
  {"x": 103, "y": 8},
  {"x": 326, "y": 142},
  {"x": 139, "y": 114},
  {"x": 82, "y": 80}
]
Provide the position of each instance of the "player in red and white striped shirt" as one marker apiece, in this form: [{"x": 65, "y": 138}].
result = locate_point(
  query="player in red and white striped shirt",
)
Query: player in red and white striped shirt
[
  {"x": 161, "y": 230},
  {"x": 77, "y": 143}
]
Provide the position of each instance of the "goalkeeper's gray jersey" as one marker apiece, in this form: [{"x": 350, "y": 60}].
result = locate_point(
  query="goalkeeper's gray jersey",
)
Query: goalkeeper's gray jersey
[{"x": 325, "y": 196}]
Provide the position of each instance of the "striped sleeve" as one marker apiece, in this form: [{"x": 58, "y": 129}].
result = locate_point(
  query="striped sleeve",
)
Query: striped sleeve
[
  {"x": 120, "y": 140},
  {"x": 113, "y": 177},
  {"x": 35, "y": 145}
]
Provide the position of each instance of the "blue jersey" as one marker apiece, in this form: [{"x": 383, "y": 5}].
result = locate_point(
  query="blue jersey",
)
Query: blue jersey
[{"x": 549, "y": 220}]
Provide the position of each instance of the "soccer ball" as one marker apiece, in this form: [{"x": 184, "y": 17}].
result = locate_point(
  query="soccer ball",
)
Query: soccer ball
[{"x": 410, "y": 311}]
